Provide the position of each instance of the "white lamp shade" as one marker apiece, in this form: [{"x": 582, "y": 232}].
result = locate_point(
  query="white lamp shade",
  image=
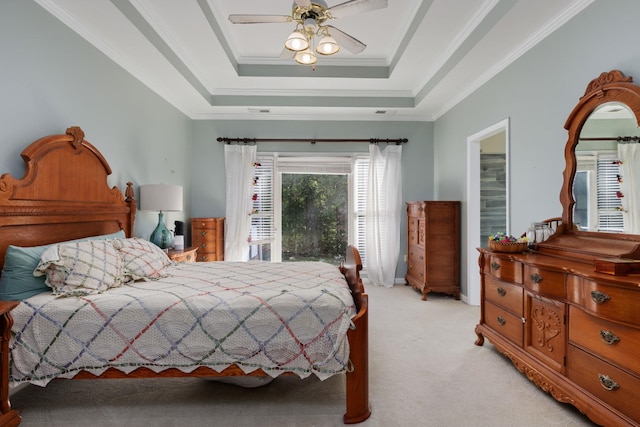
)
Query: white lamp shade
[{"x": 161, "y": 197}]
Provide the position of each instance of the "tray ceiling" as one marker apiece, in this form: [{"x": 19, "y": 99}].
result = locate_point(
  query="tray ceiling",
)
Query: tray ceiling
[{"x": 422, "y": 56}]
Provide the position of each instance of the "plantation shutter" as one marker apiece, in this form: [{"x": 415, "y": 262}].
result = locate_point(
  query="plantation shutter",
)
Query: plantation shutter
[
  {"x": 361, "y": 177},
  {"x": 609, "y": 204},
  {"x": 262, "y": 218}
]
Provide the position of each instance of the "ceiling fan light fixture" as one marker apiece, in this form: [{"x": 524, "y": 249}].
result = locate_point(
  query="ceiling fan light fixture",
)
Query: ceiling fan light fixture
[
  {"x": 305, "y": 57},
  {"x": 327, "y": 46},
  {"x": 296, "y": 42}
]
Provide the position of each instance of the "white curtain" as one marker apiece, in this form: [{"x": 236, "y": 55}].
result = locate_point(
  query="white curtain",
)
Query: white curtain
[
  {"x": 383, "y": 214},
  {"x": 239, "y": 172},
  {"x": 629, "y": 154}
]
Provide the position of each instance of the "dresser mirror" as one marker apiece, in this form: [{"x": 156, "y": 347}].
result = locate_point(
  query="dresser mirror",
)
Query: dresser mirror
[{"x": 602, "y": 127}]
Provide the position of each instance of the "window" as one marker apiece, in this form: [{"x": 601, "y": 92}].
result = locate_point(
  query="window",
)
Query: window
[
  {"x": 266, "y": 221},
  {"x": 599, "y": 209}
]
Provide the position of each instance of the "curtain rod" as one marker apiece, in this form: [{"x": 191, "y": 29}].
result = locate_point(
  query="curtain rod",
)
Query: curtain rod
[
  {"x": 615, "y": 138},
  {"x": 312, "y": 141}
]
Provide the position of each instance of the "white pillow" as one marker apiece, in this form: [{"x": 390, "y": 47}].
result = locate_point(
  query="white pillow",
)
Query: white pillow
[
  {"x": 81, "y": 268},
  {"x": 142, "y": 259}
]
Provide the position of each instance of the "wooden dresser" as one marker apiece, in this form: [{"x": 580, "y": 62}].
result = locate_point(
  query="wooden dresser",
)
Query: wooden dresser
[
  {"x": 207, "y": 235},
  {"x": 433, "y": 247},
  {"x": 574, "y": 332}
]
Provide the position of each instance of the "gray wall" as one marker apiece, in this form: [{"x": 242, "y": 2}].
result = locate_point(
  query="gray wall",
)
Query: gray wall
[
  {"x": 53, "y": 79},
  {"x": 208, "y": 160},
  {"x": 537, "y": 93}
]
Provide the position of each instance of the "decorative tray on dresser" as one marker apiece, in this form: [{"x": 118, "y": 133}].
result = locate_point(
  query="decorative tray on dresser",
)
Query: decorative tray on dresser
[{"x": 567, "y": 312}]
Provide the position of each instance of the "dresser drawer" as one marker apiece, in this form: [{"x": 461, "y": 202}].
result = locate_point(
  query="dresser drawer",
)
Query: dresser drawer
[
  {"x": 611, "y": 302},
  {"x": 613, "y": 341},
  {"x": 506, "y": 295},
  {"x": 504, "y": 269},
  {"x": 415, "y": 209},
  {"x": 608, "y": 383},
  {"x": 503, "y": 322},
  {"x": 546, "y": 282}
]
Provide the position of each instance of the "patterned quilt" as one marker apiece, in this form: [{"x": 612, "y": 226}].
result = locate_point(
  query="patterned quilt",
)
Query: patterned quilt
[{"x": 287, "y": 317}]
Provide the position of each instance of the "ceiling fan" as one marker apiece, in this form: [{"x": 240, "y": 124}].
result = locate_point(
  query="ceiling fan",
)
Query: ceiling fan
[{"x": 310, "y": 17}]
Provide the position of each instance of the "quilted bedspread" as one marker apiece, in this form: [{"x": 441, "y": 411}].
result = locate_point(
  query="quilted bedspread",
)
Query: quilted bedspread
[{"x": 287, "y": 317}]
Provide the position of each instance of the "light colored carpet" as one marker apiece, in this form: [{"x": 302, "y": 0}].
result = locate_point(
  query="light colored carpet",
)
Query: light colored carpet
[{"x": 424, "y": 370}]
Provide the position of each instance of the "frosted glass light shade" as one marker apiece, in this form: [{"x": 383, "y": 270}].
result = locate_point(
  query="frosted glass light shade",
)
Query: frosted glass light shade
[
  {"x": 305, "y": 57},
  {"x": 327, "y": 46},
  {"x": 296, "y": 42}
]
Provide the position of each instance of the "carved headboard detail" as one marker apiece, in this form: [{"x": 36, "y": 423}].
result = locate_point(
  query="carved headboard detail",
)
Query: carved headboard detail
[{"x": 63, "y": 195}]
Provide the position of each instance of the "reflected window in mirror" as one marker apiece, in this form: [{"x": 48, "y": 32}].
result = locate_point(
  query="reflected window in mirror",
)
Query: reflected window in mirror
[{"x": 604, "y": 188}]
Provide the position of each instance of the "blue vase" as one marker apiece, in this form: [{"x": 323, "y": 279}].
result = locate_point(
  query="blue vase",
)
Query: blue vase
[{"x": 161, "y": 236}]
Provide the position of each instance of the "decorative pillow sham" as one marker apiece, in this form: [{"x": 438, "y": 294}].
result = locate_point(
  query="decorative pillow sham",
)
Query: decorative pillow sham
[
  {"x": 81, "y": 268},
  {"x": 142, "y": 259},
  {"x": 18, "y": 282}
]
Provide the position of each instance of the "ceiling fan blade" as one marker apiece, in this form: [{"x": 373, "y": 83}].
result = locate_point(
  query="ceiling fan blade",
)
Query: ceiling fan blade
[
  {"x": 286, "y": 54},
  {"x": 258, "y": 19},
  {"x": 353, "y": 7},
  {"x": 303, "y": 3},
  {"x": 350, "y": 43}
]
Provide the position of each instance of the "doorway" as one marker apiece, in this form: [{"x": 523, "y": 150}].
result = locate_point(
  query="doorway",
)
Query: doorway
[{"x": 487, "y": 195}]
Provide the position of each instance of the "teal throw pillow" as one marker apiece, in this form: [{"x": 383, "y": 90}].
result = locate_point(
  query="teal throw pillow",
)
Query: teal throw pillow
[{"x": 18, "y": 282}]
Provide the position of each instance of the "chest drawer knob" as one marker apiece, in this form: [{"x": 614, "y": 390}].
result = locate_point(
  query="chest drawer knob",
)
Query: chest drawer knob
[
  {"x": 609, "y": 337},
  {"x": 501, "y": 320},
  {"x": 495, "y": 266},
  {"x": 501, "y": 292},
  {"x": 607, "y": 383},
  {"x": 203, "y": 233},
  {"x": 536, "y": 278},
  {"x": 599, "y": 297}
]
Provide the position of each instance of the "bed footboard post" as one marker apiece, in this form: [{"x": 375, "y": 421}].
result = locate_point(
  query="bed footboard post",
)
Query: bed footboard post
[
  {"x": 8, "y": 416},
  {"x": 358, "y": 408}
]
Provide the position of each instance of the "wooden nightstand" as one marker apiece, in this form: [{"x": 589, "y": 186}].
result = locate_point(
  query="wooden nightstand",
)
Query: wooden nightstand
[{"x": 186, "y": 255}]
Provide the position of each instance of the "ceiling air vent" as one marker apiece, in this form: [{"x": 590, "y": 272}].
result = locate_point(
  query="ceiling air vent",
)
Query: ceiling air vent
[
  {"x": 385, "y": 112},
  {"x": 259, "y": 110}
]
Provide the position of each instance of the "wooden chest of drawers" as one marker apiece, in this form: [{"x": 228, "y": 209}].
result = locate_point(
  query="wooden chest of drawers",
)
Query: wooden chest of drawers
[
  {"x": 433, "y": 247},
  {"x": 574, "y": 332},
  {"x": 207, "y": 234}
]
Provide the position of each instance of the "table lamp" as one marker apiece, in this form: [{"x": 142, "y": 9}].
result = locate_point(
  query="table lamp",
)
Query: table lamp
[{"x": 161, "y": 198}]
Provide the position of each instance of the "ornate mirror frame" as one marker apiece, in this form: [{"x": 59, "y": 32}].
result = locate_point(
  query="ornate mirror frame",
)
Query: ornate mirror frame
[{"x": 612, "y": 86}]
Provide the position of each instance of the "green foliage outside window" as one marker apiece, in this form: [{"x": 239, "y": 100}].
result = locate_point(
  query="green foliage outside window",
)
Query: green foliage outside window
[{"x": 314, "y": 217}]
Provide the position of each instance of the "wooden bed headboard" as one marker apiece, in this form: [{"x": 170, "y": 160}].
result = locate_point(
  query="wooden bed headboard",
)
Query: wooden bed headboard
[{"x": 63, "y": 195}]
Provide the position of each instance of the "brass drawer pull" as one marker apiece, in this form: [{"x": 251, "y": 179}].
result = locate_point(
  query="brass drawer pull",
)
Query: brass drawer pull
[
  {"x": 501, "y": 292},
  {"x": 599, "y": 297},
  {"x": 204, "y": 245},
  {"x": 501, "y": 320},
  {"x": 607, "y": 383},
  {"x": 495, "y": 266},
  {"x": 536, "y": 278},
  {"x": 203, "y": 233},
  {"x": 203, "y": 258},
  {"x": 609, "y": 337}
]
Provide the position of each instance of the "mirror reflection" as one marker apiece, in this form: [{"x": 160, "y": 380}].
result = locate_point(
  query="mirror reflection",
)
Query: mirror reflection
[{"x": 606, "y": 185}]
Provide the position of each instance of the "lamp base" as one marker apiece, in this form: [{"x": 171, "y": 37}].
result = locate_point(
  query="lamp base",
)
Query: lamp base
[{"x": 161, "y": 236}]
